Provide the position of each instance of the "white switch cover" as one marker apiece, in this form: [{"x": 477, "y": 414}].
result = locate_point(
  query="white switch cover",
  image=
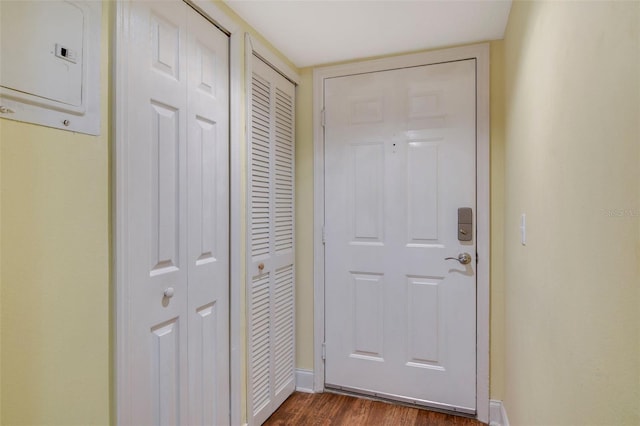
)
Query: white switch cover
[{"x": 523, "y": 229}]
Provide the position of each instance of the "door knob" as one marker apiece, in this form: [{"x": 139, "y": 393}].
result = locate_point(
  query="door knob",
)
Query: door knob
[
  {"x": 168, "y": 293},
  {"x": 463, "y": 258}
]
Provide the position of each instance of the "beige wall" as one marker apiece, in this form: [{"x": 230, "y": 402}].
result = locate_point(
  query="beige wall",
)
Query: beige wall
[
  {"x": 1, "y": 121},
  {"x": 572, "y": 73},
  {"x": 55, "y": 271},
  {"x": 304, "y": 220},
  {"x": 497, "y": 355}
]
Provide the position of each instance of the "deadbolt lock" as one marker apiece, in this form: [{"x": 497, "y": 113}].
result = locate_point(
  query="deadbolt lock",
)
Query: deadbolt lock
[{"x": 465, "y": 224}]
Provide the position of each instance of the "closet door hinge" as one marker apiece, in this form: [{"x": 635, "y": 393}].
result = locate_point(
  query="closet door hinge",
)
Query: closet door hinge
[
  {"x": 324, "y": 351},
  {"x": 323, "y": 119},
  {"x": 324, "y": 235}
]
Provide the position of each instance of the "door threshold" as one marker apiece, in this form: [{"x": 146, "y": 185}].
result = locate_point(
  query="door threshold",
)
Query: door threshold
[{"x": 401, "y": 400}]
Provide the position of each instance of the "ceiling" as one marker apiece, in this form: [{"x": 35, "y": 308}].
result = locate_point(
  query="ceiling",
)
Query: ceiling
[{"x": 314, "y": 32}]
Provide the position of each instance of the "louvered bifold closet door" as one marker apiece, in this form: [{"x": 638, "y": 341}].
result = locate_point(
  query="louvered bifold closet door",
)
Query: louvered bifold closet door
[{"x": 271, "y": 269}]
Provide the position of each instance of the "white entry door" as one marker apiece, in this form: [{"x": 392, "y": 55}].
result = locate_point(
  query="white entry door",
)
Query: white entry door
[
  {"x": 400, "y": 160},
  {"x": 173, "y": 168}
]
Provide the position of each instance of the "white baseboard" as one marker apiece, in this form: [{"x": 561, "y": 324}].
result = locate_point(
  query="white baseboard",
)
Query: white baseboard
[
  {"x": 304, "y": 380},
  {"x": 497, "y": 414}
]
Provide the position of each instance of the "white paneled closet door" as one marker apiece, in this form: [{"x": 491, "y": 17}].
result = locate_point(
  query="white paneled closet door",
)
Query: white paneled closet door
[
  {"x": 173, "y": 220},
  {"x": 271, "y": 272}
]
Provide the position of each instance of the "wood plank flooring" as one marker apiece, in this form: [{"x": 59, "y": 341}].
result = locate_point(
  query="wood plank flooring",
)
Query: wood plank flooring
[{"x": 324, "y": 409}]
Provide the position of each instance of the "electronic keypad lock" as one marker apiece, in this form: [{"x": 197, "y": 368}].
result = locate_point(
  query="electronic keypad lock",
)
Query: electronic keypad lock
[{"x": 465, "y": 224}]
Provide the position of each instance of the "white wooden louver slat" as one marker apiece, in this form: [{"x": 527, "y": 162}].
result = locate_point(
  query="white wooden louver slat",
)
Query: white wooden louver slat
[
  {"x": 284, "y": 172},
  {"x": 260, "y": 167},
  {"x": 260, "y": 341},
  {"x": 260, "y": 229},
  {"x": 284, "y": 326}
]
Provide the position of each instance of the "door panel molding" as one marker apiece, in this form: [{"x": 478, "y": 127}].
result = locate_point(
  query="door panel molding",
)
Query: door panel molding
[{"x": 480, "y": 52}]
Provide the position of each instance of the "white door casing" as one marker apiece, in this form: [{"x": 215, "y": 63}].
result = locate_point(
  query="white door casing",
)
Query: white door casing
[
  {"x": 399, "y": 162},
  {"x": 321, "y": 75},
  {"x": 172, "y": 218},
  {"x": 270, "y": 245}
]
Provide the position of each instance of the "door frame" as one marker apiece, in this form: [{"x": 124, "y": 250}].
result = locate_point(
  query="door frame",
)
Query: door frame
[
  {"x": 479, "y": 52},
  {"x": 120, "y": 293}
]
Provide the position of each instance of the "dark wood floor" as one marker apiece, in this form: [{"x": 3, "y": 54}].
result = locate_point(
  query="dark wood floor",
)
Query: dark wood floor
[{"x": 331, "y": 409}]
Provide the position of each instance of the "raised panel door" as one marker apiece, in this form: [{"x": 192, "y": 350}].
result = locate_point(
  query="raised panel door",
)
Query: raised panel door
[
  {"x": 399, "y": 161},
  {"x": 175, "y": 166}
]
